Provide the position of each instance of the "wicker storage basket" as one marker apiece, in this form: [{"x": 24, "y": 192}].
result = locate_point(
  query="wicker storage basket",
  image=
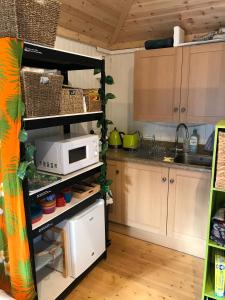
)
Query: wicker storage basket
[
  {"x": 41, "y": 93},
  {"x": 92, "y": 99},
  {"x": 71, "y": 101},
  {"x": 34, "y": 21},
  {"x": 220, "y": 168}
]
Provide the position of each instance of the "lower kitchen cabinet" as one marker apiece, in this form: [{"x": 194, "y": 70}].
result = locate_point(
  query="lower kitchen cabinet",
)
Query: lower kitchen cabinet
[
  {"x": 167, "y": 206},
  {"x": 115, "y": 173},
  {"x": 188, "y": 200},
  {"x": 144, "y": 197}
]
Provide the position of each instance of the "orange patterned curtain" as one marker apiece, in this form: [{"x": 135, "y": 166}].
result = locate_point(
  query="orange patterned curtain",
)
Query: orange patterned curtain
[{"x": 15, "y": 268}]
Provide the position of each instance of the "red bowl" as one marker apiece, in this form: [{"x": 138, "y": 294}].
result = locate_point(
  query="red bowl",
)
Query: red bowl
[
  {"x": 60, "y": 201},
  {"x": 60, "y": 204},
  {"x": 37, "y": 219}
]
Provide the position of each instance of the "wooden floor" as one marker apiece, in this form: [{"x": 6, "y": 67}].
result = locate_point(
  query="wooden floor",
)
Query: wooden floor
[{"x": 139, "y": 270}]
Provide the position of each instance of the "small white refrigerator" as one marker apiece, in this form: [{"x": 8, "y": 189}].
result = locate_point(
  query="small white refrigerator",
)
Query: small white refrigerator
[{"x": 86, "y": 238}]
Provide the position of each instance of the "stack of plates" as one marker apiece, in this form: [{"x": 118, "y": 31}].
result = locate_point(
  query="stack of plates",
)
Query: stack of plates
[
  {"x": 36, "y": 213},
  {"x": 48, "y": 204}
]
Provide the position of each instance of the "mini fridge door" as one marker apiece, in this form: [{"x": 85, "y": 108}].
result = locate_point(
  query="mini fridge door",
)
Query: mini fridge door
[{"x": 87, "y": 237}]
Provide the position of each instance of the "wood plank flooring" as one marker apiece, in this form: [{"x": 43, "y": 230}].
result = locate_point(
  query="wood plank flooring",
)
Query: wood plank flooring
[{"x": 139, "y": 270}]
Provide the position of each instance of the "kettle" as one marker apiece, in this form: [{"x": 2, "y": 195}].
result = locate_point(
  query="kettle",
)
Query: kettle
[
  {"x": 131, "y": 141},
  {"x": 115, "y": 140}
]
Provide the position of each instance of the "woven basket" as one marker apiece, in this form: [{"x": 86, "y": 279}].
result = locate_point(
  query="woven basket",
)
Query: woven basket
[
  {"x": 220, "y": 168},
  {"x": 41, "y": 93},
  {"x": 71, "y": 101},
  {"x": 34, "y": 21},
  {"x": 92, "y": 99}
]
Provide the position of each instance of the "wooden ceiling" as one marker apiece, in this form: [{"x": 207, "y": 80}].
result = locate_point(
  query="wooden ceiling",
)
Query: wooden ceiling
[{"x": 120, "y": 24}]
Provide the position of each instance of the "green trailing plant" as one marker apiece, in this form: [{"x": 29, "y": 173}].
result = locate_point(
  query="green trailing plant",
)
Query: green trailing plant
[
  {"x": 103, "y": 123},
  {"x": 27, "y": 166}
]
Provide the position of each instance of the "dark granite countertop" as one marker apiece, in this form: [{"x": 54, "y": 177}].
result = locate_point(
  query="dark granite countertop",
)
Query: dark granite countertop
[{"x": 143, "y": 158}]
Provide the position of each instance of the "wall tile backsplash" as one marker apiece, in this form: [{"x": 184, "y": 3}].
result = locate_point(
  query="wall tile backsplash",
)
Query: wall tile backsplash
[{"x": 167, "y": 132}]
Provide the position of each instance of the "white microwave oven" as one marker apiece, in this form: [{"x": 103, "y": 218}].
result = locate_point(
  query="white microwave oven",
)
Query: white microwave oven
[{"x": 66, "y": 154}]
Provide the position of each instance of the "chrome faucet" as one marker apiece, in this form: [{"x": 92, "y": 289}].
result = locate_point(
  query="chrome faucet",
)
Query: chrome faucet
[{"x": 177, "y": 138}]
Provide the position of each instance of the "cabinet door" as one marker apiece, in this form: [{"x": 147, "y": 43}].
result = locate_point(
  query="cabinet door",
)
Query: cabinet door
[
  {"x": 144, "y": 195},
  {"x": 157, "y": 82},
  {"x": 203, "y": 88},
  {"x": 114, "y": 173},
  {"x": 188, "y": 206}
]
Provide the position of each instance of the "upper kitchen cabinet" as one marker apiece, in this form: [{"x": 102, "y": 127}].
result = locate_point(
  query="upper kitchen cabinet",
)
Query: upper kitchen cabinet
[
  {"x": 203, "y": 88},
  {"x": 157, "y": 81},
  {"x": 184, "y": 84}
]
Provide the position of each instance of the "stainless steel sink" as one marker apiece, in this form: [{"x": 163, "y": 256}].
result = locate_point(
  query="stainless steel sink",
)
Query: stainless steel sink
[{"x": 194, "y": 159}]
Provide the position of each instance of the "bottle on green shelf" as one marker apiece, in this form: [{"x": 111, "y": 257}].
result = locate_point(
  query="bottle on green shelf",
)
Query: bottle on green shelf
[{"x": 219, "y": 273}]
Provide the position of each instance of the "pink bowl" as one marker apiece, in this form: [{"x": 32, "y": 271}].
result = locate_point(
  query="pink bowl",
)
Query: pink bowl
[{"x": 48, "y": 210}]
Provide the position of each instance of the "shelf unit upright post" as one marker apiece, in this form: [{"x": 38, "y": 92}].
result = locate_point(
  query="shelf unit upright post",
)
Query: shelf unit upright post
[
  {"x": 217, "y": 200},
  {"x": 47, "y": 58}
]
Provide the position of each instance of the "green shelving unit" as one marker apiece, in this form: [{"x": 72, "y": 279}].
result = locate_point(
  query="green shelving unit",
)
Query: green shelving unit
[{"x": 217, "y": 199}]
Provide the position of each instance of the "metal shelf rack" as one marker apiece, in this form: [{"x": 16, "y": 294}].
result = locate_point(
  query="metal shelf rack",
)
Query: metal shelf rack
[
  {"x": 48, "y": 58},
  {"x": 52, "y": 121}
]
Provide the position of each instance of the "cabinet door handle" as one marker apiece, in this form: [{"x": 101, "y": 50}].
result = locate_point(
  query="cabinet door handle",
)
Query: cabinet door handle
[
  {"x": 117, "y": 171},
  {"x": 183, "y": 109},
  {"x": 164, "y": 179},
  {"x": 172, "y": 180},
  {"x": 176, "y": 109}
]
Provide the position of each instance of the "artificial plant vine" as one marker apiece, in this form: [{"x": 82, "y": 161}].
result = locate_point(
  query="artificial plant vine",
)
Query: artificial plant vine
[
  {"x": 103, "y": 124},
  {"x": 27, "y": 166}
]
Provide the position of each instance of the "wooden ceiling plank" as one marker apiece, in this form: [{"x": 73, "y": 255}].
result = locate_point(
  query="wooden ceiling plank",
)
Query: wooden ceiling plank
[
  {"x": 72, "y": 35},
  {"x": 159, "y": 21},
  {"x": 163, "y": 4},
  {"x": 116, "y": 23},
  {"x": 148, "y": 33},
  {"x": 160, "y": 24},
  {"x": 92, "y": 10},
  {"x": 204, "y": 13},
  {"x": 152, "y": 14},
  {"x": 111, "y": 7},
  {"x": 171, "y": 6},
  {"x": 143, "y": 36},
  {"x": 198, "y": 17},
  {"x": 83, "y": 27},
  {"x": 75, "y": 14},
  {"x": 122, "y": 19}
]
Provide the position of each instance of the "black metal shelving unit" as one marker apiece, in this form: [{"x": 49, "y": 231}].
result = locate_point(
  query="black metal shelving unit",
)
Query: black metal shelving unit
[
  {"x": 44, "y": 122},
  {"x": 48, "y": 58}
]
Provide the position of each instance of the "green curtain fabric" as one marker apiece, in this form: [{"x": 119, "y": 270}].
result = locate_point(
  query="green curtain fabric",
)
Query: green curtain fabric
[{"x": 15, "y": 268}]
